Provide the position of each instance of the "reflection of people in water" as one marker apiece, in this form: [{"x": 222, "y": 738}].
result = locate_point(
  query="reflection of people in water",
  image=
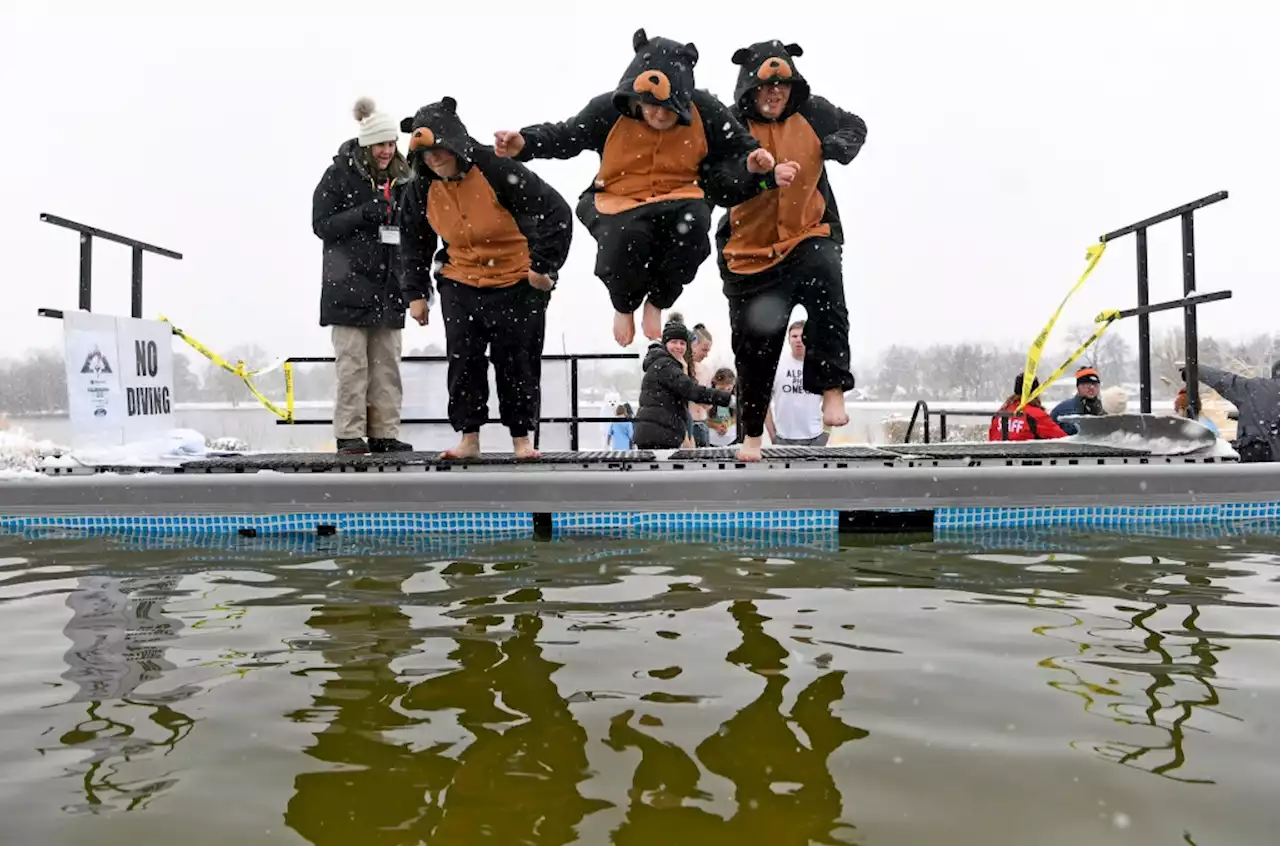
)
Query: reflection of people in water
[
  {"x": 785, "y": 793},
  {"x": 1167, "y": 703},
  {"x": 378, "y": 783},
  {"x": 515, "y": 780},
  {"x": 118, "y": 632}
]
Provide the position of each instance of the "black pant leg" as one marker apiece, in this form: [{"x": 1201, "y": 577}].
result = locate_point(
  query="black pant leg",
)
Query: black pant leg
[
  {"x": 758, "y": 324},
  {"x": 466, "y": 337},
  {"x": 624, "y": 246},
  {"x": 815, "y": 268},
  {"x": 519, "y": 320},
  {"x": 682, "y": 244}
]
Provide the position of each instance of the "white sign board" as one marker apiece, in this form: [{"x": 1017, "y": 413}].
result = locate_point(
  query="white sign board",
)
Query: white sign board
[{"x": 119, "y": 378}]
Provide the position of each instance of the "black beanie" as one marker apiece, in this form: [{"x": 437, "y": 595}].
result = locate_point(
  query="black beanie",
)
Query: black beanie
[
  {"x": 674, "y": 331},
  {"x": 1018, "y": 383}
]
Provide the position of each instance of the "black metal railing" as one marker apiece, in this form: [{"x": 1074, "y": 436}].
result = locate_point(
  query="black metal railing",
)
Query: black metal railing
[
  {"x": 1188, "y": 303},
  {"x": 573, "y": 420},
  {"x": 87, "y": 234},
  {"x": 943, "y": 413}
]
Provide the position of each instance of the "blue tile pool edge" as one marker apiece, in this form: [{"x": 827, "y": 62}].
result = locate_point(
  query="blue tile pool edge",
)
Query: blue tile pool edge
[{"x": 645, "y": 522}]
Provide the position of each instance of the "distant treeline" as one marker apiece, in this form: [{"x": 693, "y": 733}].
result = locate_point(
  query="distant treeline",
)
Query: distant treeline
[
  {"x": 983, "y": 372},
  {"x": 37, "y": 384}
]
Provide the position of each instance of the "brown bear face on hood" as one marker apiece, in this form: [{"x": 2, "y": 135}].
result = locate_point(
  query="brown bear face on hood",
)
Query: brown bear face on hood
[
  {"x": 660, "y": 74},
  {"x": 768, "y": 63},
  {"x": 438, "y": 127}
]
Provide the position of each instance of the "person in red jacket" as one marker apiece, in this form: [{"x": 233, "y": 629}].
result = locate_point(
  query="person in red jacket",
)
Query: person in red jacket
[{"x": 1033, "y": 423}]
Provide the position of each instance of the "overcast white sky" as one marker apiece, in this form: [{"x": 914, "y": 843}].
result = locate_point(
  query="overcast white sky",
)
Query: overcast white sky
[{"x": 1004, "y": 138}]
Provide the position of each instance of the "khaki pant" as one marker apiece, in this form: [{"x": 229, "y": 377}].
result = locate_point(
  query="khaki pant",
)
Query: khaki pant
[{"x": 369, "y": 391}]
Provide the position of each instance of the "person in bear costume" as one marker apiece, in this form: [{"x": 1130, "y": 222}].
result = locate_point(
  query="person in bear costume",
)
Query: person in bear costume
[
  {"x": 506, "y": 235},
  {"x": 668, "y": 152},
  {"x": 782, "y": 247}
]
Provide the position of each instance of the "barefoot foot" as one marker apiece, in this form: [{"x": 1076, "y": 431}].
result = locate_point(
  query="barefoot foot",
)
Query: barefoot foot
[
  {"x": 834, "y": 413},
  {"x": 468, "y": 447},
  {"x": 523, "y": 448},
  {"x": 652, "y": 322},
  {"x": 750, "y": 449},
  {"x": 624, "y": 328}
]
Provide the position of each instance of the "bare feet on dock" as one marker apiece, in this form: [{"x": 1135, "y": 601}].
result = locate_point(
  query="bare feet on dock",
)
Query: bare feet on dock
[
  {"x": 523, "y": 448},
  {"x": 624, "y": 328},
  {"x": 652, "y": 322},
  {"x": 468, "y": 447},
  {"x": 750, "y": 449},
  {"x": 834, "y": 414}
]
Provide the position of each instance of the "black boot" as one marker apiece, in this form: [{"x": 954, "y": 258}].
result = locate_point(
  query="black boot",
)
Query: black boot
[
  {"x": 388, "y": 445},
  {"x": 352, "y": 446}
]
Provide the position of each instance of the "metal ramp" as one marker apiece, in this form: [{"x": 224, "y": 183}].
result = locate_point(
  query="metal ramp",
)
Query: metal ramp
[
  {"x": 784, "y": 453},
  {"x": 312, "y": 462},
  {"x": 1015, "y": 452}
]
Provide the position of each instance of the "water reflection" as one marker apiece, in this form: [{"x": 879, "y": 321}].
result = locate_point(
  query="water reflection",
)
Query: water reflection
[
  {"x": 1181, "y": 676},
  {"x": 438, "y": 683},
  {"x": 119, "y": 635},
  {"x": 491, "y": 733}
]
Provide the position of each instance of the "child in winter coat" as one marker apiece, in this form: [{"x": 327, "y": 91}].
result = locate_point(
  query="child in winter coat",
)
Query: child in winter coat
[
  {"x": 666, "y": 391},
  {"x": 667, "y": 151}
]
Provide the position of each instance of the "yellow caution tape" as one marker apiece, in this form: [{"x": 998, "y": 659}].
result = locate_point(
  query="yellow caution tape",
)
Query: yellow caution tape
[
  {"x": 239, "y": 369},
  {"x": 1106, "y": 319},
  {"x": 1094, "y": 253}
]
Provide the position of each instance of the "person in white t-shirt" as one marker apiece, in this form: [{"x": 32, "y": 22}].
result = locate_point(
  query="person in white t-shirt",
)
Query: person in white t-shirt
[{"x": 795, "y": 416}]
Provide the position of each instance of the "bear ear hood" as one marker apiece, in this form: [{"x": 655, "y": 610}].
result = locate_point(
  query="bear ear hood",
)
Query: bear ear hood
[
  {"x": 438, "y": 125},
  {"x": 768, "y": 63},
  {"x": 660, "y": 73}
]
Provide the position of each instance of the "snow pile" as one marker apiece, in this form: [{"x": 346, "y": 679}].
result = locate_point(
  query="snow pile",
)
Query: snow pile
[
  {"x": 168, "y": 450},
  {"x": 21, "y": 454}
]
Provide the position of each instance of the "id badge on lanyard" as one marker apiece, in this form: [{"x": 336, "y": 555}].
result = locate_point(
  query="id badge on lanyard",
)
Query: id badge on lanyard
[{"x": 387, "y": 233}]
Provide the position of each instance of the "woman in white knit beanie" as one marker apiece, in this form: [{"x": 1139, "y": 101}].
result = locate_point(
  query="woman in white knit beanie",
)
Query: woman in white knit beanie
[{"x": 354, "y": 212}]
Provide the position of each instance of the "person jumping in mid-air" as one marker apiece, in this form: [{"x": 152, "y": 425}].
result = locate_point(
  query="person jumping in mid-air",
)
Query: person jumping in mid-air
[
  {"x": 506, "y": 235},
  {"x": 783, "y": 247},
  {"x": 666, "y": 149}
]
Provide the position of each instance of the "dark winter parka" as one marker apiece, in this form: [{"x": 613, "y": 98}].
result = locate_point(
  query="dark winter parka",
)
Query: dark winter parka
[
  {"x": 361, "y": 285},
  {"x": 665, "y": 394}
]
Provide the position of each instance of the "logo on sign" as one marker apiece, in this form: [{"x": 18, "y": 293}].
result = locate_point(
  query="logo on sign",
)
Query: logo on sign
[{"x": 96, "y": 363}]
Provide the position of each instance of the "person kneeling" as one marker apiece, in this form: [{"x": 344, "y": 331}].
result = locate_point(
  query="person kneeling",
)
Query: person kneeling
[
  {"x": 506, "y": 234},
  {"x": 666, "y": 391}
]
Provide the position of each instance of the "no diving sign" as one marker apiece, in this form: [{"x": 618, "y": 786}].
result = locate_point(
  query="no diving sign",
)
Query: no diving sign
[{"x": 119, "y": 378}]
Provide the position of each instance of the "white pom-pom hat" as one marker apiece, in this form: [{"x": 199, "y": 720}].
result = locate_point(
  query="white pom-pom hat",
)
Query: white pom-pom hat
[{"x": 375, "y": 126}]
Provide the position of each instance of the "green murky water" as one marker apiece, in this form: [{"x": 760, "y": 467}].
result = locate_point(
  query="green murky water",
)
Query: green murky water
[{"x": 1020, "y": 690}]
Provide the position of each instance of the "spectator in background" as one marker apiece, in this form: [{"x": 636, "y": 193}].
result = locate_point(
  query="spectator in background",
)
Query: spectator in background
[
  {"x": 794, "y": 417},
  {"x": 1258, "y": 401},
  {"x": 1182, "y": 408},
  {"x": 696, "y": 366},
  {"x": 622, "y": 432},
  {"x": 1033, "y": 423},
  {"x": 1086, "y": 402},
  {"x": 353, "y": 211},
  {"x": 666, "y": 391},
  {"x": 722, "y": 422}
]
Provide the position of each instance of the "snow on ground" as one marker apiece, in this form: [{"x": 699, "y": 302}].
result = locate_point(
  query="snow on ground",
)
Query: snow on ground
[{"x": 21, "y": 455}]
